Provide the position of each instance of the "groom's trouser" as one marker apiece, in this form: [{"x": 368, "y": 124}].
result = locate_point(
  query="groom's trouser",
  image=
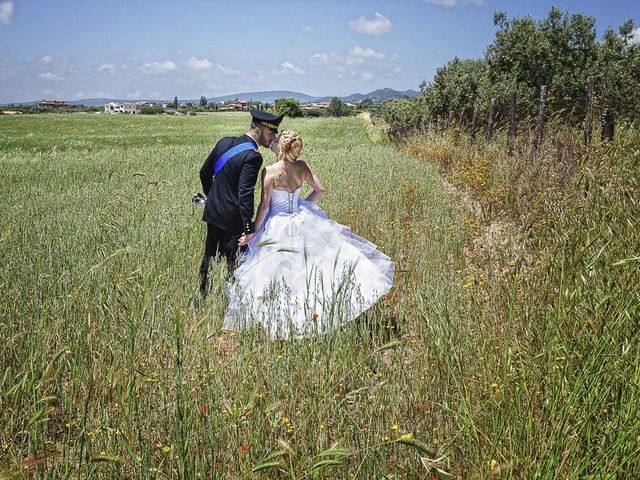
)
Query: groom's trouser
[{"x": 219, "y": 242}]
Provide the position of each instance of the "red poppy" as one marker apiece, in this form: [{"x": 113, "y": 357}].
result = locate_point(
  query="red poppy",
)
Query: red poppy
[
  {"x": 247, "y": 414},
  {"x": 244, "y": 447},
  {"x": 204, "y": 409},
  {"x": 410, "y": 190},
  {"x": 314, "y": 317},
  {"x": 387, "y": 297}
]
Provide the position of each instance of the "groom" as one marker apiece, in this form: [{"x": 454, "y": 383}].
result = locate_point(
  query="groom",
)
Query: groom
[{"x": 228, "y": 177}]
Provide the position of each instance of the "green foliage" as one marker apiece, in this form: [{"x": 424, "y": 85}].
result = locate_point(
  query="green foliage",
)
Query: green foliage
[
  {"x": 366, "y": 104},
  {"x": 560, "y": 51},
  {"x": 337, "y": 108},
  {"x": 619, "y": 72},
  {"x": 457, "y": 85},
  {"x": 289, "y": 106},
  {"x": 151, "y": 110},
  {"x": 203, "y": 101}
]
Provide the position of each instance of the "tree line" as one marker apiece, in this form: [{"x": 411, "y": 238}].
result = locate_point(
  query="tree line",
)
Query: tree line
[{"x": 560, "y": 53}]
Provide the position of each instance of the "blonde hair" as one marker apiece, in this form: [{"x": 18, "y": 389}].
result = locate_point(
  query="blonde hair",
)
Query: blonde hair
[{"x": 290, "y": 146}]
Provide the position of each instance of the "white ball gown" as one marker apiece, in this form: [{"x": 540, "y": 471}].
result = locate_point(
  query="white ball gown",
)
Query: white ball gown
[{"x": 304, "y": 274}]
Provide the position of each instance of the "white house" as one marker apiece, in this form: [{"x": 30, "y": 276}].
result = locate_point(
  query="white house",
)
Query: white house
[{"x": 113, "y": 107}]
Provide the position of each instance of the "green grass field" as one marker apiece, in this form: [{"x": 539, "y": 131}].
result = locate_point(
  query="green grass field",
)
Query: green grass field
[
  {"x": 108, "y": 368},
  {"x": 494, "y": 363}
]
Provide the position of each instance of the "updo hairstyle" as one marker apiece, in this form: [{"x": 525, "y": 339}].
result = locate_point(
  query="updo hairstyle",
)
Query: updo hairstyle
[{"x": 290, "y": 145}]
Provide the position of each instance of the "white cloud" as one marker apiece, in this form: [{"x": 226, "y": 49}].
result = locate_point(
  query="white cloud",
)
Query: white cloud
[
  {"x": 6, "y": 12},
  {"x": 288, "y": 67},
  {"x": 379, "y": 25},
  {"x": 307, "y": 28},
  {"x": 226, "y": 70},
  {"x": 456, "y": 3},
  {"x": 635, "y": 36},
  {"x": 203, "y": 65},
  {"x": 107, "y": 68},
  {"x": 199, "y": 63},
  {"x": 46, "y": 60},
  {"x": 54, "y": 77},
  {"x": 367, "y": 76},
  {"x": 158, "y": 68},
  {"x": 359, "y": 54},
  {"x": 319, "y": 59}
]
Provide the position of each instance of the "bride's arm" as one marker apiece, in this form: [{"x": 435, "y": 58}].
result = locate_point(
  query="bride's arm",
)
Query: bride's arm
[
  {"x": 314, "y": 181},
  {"x": 265, "y": 197}
]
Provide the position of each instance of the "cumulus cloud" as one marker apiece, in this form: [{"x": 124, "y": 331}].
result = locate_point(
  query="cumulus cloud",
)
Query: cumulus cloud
[
  {"x": 158, "y": 68},
  {"x": 107, "y": 68},
  {"x": 359, "y": 54},
  {"x": 6, "y": 12},
  {"x": 54, "y": 77},
  {"x": 226, "y": 70},
  {"x": 46, "y": 60},
  {"x": 199, "y": 63},
  {"x": 288, "y": 67},
  {"x": 456, "y": 3},
  {"x": 367, "y": 76},
  {"x": 319, "y": 59},
  {"x": 378, "y": 25},
  {"x": 307, "y": 28}
]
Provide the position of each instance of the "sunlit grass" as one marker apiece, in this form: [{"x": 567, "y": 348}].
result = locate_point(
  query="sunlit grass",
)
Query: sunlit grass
[
  {"x": 109, "y": 369},
  {"x": 517, "y": 357}
]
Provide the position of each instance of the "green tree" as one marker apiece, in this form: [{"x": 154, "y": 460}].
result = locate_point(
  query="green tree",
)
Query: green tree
[
  {"x": 175, "y": 102},
  {"x": 366, "y": 104},
  {"x": 618, "y": 77},
  {"x": 459, "y": 84},
  {"x": 289, "y": 106},
  {"x": 203, "y": 101},
  {"x": 559, "y": 51},
  {"x": 151, "y": 110},
  {"x": 337, "y": 108}
]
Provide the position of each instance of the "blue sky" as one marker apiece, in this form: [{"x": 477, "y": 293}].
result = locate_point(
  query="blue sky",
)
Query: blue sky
[{"x": 157, "y": 49}]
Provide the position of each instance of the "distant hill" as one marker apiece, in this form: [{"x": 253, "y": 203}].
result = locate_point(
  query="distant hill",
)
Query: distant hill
[
  {"x": 267, "y": 97},
  {"x": 376, "y": 96}
]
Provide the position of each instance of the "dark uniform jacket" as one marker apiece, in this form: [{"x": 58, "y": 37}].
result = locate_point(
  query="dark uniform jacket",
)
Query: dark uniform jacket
[{"x": 229, "y": 204}]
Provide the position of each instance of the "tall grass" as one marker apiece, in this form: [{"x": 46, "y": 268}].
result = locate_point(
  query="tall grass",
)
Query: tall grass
[
  {"x": 552, "y": 286},
  {"x": 110, "y": 369},
  {"x": 508, "y": 348}
]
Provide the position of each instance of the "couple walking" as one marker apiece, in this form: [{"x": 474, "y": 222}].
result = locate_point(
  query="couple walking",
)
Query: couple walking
[{"x": 300, "y": 273}]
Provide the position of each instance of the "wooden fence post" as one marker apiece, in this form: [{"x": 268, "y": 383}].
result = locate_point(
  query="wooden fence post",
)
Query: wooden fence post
[
  {"x": 474, "y": 123},
  {"x": 543, "y": 104},
  {"x": 458, "y": 127},
  {"x": 489, "y": 133},
  {"x": 588, "y": 119},
  {"x": 450, "y": 119},
  {"x": 608, "y": 126},
  {"x": 513, "y": 128}
]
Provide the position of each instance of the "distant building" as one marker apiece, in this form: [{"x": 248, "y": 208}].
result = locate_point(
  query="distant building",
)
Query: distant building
[
  {"x": 113, "y": 107},
  {"x": 147, "y": 104},
  {"x": 235, "y": 105},
  {"x": 315, "y": 106},
  {"x": 53, "y": 103}
]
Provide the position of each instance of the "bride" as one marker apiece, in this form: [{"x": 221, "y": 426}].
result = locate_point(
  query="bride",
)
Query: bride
[{"x": 302, "y": 274}]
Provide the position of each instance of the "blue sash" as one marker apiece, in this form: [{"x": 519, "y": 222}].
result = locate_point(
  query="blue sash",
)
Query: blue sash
[{"x": 226, "y": 156}]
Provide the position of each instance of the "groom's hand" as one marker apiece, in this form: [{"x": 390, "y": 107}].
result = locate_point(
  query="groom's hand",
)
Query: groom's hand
[{"x": 245, "y": 238}]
